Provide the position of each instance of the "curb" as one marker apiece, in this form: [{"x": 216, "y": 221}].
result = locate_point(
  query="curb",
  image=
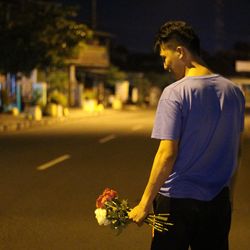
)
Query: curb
[
  {"x": 20, "y": 125},
  {"x": 26, "y": 124}
]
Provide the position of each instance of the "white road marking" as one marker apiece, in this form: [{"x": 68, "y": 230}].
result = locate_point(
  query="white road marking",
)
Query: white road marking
[
  {"x": 53, "y": 162},
  {"x": 137, "y": 127},
  {"x": 107, "y": 138}
]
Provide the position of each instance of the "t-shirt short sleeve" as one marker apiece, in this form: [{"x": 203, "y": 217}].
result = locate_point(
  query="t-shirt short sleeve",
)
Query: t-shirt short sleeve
[{"x": 168, "y": 122}]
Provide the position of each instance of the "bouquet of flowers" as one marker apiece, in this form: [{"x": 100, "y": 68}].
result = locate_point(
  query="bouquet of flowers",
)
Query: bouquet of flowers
[{"x": 112, "y": 211}]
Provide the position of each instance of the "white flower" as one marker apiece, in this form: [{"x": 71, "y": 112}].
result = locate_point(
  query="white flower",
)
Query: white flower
[{"x": 100, "y": 215}]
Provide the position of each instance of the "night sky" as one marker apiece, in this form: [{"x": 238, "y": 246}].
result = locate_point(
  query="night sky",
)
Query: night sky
[{"x": 135, "y": 23}]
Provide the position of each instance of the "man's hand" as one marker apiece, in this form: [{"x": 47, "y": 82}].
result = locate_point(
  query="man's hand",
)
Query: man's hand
[{"x": 138, "y": 214}]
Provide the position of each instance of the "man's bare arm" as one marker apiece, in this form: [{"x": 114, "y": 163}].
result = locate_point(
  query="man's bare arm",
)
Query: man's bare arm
[{"x": 161, "y": 169}]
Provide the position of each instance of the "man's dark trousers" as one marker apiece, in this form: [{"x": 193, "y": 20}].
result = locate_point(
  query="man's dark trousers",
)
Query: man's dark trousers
[{"x": 202, "y": 225}]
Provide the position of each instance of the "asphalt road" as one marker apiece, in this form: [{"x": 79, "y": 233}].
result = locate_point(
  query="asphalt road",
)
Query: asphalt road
[{"x": 51, "y": 207}]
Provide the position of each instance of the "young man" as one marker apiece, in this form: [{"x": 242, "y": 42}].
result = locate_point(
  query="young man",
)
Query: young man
[{"x": 199, "y": 121}]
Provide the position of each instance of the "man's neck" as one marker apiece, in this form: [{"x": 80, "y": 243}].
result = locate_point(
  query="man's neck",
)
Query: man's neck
[{"x": 197, "y": 69}]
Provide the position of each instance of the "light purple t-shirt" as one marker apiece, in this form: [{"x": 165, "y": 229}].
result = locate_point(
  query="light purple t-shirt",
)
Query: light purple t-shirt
[{"x": 206, "y": 115}]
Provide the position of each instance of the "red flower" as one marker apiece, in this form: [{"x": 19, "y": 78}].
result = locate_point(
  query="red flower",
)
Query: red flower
[
  {"x": 110, "y": 192},
  {"x": 107, "y": 195}
]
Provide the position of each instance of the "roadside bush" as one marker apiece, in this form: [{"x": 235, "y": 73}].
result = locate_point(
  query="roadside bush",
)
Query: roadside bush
[{"x": 58, "y": 98}]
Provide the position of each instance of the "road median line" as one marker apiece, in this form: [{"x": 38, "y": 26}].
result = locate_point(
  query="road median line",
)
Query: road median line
[
  {"x": 53, "y": 162},
  {"x": 107, "y": 138}
]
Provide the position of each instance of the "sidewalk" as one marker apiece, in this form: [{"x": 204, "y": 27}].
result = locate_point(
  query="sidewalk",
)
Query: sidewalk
[{"x": 9, "y": 122}]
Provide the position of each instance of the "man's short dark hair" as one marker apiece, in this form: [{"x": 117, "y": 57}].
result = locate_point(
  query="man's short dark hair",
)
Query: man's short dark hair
[{"x": 179, "y": 33}]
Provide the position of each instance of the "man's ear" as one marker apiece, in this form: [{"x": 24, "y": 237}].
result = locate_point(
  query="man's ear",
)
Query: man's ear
[{"x": 181, "y": 52}]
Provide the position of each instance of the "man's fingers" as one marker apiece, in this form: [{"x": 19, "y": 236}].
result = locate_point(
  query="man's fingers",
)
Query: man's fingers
[
  {"x": 133, "y": 217},
  {"x": 130, "y": 215},
  {"x": 136, "y": 215},
  {"x": 136, "y": 220}
]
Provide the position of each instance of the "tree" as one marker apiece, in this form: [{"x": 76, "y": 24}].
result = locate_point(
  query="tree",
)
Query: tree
[{"x": 37, "y": 34}]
